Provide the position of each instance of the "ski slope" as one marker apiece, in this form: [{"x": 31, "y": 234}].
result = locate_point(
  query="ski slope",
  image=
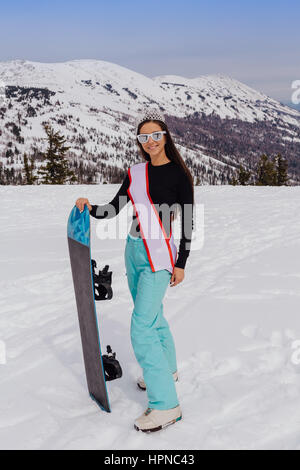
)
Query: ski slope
[{"x": 235, "y": 319}]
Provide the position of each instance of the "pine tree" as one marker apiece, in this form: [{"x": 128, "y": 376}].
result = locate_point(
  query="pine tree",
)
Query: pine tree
[
  {"x": 56, "y": 170},
  {"x": 28, "y": 171},
  {"x": 233, "y": 181},
  {"x": 81, "y": 173},
  {"x": 2, "y": 180},
  {"x": 243, "y": 176},
  {"x": 282, "y": 167},
  {"x": 266, "y": 172}
]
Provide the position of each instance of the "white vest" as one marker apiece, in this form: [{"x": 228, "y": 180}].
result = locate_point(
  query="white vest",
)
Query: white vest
[{"x": 161, "y": 250}]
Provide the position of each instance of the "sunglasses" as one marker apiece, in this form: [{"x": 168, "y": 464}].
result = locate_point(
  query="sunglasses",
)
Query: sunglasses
[{"x": 156, "y": 136}]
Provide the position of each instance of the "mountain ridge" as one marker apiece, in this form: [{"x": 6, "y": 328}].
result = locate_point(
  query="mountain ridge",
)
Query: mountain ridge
[{"x": 94, "y": 103}]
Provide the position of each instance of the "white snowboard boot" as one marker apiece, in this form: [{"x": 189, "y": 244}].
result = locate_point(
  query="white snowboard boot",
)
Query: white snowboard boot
[
  {"x": 154, "y": 420},
  {"x": 141, "y": 384}
]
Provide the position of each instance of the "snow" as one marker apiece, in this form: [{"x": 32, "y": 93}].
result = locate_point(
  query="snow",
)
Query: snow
[
  {"x": 235, "y": 320},
  {"x": 101, "y": 94},
  {"x": 68, "y": 78}
]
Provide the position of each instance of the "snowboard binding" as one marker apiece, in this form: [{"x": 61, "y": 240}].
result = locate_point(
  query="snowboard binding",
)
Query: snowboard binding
[
  {"x": 102, "y": 282},
  {"x": 112, "y": 368}
]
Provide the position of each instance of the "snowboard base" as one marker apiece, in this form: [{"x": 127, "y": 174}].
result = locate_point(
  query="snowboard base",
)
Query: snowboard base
[{"x": 81, "y": 266}]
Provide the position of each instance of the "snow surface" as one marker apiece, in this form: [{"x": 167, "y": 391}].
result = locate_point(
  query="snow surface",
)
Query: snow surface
[{"x": 234, "y": 319}]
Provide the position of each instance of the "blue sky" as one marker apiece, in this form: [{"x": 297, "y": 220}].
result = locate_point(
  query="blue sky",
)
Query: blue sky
[{"x": 256, "y": 42}]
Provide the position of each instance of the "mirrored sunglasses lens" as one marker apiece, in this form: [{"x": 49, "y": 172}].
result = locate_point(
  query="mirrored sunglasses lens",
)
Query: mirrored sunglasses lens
[
  {"x": 142, "y": 138},
  {"x": 157, "y": 136}
]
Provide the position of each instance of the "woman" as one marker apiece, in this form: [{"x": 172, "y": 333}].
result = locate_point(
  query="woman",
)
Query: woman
[{"x": 152, "y": 264}]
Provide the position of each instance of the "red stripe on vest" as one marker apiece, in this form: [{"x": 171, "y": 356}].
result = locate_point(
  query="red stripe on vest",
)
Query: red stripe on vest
[{"x": 143, "y": 236}]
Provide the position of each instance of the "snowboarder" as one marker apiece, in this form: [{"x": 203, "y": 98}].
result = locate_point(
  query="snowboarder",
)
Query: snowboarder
[{"x": 162, "y": 180}]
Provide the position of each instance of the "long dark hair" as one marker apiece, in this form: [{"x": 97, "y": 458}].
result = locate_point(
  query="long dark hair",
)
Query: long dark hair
[{"x": 170, "y": 149}]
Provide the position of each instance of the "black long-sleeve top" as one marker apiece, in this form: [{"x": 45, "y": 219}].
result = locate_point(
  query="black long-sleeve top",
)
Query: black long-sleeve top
[{"x": 168, "y": 184}]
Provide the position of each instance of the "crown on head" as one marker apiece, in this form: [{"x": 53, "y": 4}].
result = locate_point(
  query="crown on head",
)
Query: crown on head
[{"x": 149, "y": 113}]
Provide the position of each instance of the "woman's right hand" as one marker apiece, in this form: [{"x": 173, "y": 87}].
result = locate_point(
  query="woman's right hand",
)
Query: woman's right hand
[{"x": 80, "y": 203}]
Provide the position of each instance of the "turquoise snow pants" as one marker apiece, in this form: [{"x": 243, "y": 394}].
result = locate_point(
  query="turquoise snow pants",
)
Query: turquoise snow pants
[{"x": 151, "y": 338}]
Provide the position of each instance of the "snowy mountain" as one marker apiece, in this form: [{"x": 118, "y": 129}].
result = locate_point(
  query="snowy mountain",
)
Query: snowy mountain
[
  {"x": 217, "y": 122},
  {"x": 234, "y": 318}
]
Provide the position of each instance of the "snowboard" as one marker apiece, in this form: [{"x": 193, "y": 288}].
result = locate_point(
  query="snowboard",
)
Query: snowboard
[{"x": 82, "y": 267}]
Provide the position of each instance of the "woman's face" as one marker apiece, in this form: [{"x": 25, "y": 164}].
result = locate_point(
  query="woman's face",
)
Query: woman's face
[{"x": 152, "y": 147}]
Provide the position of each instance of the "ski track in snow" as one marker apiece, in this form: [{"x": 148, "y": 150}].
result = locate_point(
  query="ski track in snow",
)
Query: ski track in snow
[{"x": 233, "y": 318}]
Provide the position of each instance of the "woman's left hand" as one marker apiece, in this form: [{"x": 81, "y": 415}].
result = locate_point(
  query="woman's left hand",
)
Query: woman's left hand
[{"x": 177, "y": 276}]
